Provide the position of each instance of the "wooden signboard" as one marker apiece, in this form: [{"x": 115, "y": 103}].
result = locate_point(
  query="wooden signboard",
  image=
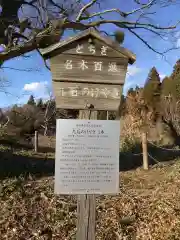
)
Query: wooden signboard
[
  {"x": 88, "y": 69},
  {"x": 79, "y": 68}
]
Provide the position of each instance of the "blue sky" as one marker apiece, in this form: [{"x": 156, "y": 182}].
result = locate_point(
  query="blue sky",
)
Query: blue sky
[{"x": 32, "y": 77}]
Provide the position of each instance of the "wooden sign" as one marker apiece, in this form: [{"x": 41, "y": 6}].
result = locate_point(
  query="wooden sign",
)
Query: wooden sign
[
  {"x": 88, "y": 69},
  {"x": 78, "y": 95},
  {"x": 87, "y": 157}
]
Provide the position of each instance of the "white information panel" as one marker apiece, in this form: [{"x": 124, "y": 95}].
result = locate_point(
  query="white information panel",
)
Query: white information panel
[{"x": 87, "y": 157}]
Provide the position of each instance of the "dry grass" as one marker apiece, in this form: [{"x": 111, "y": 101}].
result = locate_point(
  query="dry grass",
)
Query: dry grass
[{"x": 148, "y": 207}]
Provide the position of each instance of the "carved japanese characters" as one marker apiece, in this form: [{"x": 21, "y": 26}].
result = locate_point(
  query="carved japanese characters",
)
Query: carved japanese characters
[
  {"x": 95, "y": 92},
  {"x": 92, "y": 49},
  {"x": 88, "y": 70},
  {"x": 95, "y": 66}
]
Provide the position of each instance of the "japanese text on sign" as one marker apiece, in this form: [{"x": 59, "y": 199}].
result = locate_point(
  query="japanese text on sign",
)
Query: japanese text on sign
[
  {"x": 97, "y": 66},
  {"x": 113, "y": 93},
  {"x": 92, "y": 49},
  {"x": 87, "y": 157}
]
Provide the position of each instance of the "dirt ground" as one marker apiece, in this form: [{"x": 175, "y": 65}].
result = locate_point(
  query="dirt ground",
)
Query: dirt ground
[{"x": 147, "y": 207}]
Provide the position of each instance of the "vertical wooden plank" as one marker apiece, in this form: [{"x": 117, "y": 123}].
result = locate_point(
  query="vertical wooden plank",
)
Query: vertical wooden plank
[
  {"x": 36, "y": 141},
  {"x": 86, "y": 218},
  {"x": 107, "y": 115},
  {"x": 86, "y": 204},
  {"x": 145, "y": 152}
]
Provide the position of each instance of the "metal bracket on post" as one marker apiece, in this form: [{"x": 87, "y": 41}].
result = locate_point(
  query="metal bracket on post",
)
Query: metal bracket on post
[{"x": 89, "y": 106}]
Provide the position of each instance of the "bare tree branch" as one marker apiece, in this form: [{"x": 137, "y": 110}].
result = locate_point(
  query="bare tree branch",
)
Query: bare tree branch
[
  {"x": 123, "y": 14},
  {"x": 104, "y": 12},
  {"x": 6, "y": 123},
  {"x": 44, "y": 36},
  {"x": 141, "y": 8},
  {"x": 20, "y": 70},
  {"x": 145, "y": 42},
  {"x": 126, "y": 24},
  {"x": 84, "y": 8},
  {"x": 140, "y": 3},
  {"x": 43, "y": 60},
  {"x": 40, "y": 37}
]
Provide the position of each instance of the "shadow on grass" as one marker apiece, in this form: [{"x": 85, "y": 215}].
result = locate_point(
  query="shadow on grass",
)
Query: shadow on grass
[
  {"x": 39, "y": 165},
  {"x": 133, "y": 159},
  {"x": 12, "y": 165},
  {"x": 26, "y": 146}
]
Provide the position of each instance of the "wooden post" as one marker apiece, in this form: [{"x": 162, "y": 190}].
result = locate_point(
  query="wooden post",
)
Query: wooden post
[
  {"x": 145, "y": 151},
  {"x": 36, "y": 141},
  {"x": 75, "y": 87},
  {"x": 86, "y": 204},
  {"x": 107, "y": 116}
]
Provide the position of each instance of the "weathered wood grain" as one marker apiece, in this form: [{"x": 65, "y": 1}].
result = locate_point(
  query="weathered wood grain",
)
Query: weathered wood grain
[
  {"x": 78, "y": 95},
  {"x": 86, "y": 204},
  {"x": 92, "y": 47},
  {"x": 69, "y": 43},
  {"x": 96, "y": 69}
]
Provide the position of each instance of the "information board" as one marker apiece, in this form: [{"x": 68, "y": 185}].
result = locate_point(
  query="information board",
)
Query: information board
[{"x": 87, "y": 157}]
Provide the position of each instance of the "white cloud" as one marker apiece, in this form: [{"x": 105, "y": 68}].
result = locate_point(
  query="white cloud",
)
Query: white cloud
[
  {"x": 133, "y": 70},
  {"x": 38, "y": 89},
  {"x": 35, "y": 86}
]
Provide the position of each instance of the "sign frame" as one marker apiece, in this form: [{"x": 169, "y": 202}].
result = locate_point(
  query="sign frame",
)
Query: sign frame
[{"x": 90, "y": 164}]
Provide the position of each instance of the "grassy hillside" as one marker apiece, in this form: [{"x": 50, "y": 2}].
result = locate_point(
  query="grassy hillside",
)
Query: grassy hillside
[{"x": 148, "y": 206}]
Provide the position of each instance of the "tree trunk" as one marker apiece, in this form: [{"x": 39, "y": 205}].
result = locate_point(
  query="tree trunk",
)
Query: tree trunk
[{"x": 45, "y": 130}]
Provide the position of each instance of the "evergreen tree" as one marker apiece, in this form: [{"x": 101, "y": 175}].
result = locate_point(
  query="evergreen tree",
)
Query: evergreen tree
[
  {"x": 152, "y": 93},
  {"x": 40, "y": 103},
  {"x": 31, "y": 101},
  {"x": 176, "y": 70},
  {"x": 175, "y": 81},
  {"x": 152, "y": 88},
  {"x": 137, "y": 88},
  {"x": 166, "y": 87},
  {"x": 131, "y": 92}
]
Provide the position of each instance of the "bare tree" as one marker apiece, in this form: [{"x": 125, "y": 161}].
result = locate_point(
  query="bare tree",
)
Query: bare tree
[
  {"x": 46, "y": 22},
  {"x": 138, "y": 120},
  {"x": 171, "y": 116},
  {"x": 49, "y": 115},
  {"x": 138, "y": 113},
  {"x": 4, "y": 120}
]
